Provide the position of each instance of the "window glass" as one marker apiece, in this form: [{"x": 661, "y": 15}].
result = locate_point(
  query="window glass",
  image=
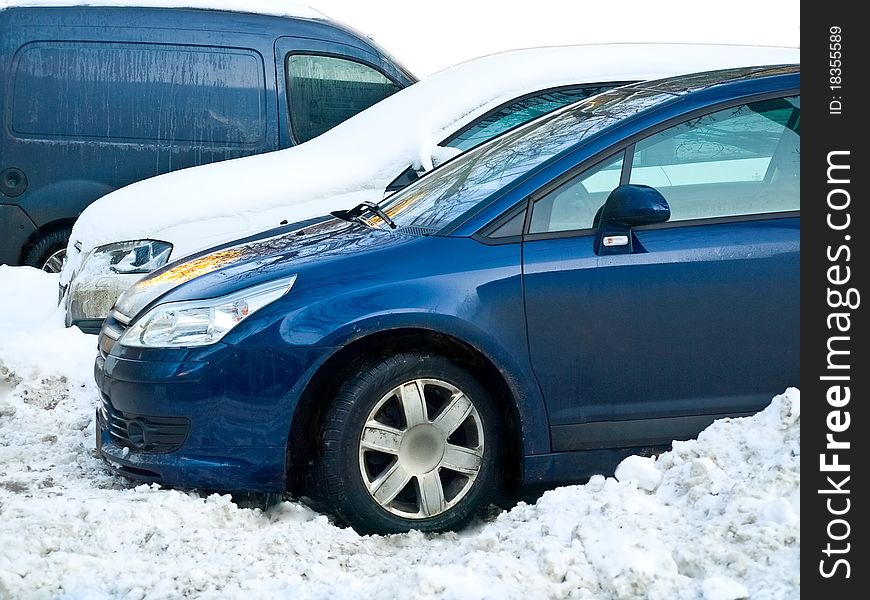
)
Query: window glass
[
  {"x": 139, "y": 91},
  {"x": 519, "y": 112},
  {"x": 739, "y": 161},
  {"x": 573, "y": 204},
  {"x": 462, "y": 185},
  {"x": 513, "y": 226},
  {"x": 326, "y": 90}
]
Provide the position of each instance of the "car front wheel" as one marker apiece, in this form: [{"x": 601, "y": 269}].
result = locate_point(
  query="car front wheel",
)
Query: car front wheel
[{"x": 410, "y": 442}]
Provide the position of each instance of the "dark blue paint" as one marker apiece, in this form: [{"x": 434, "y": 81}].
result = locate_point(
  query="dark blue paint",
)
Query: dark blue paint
[
  {"x": 71, "y": 158},
  {"x": 627, "y": 326},
  {"x": 700, "y": 320},
  {"x": 223, "y": 395}
]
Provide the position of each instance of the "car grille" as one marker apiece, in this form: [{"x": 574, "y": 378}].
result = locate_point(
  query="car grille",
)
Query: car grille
[
  {"x": 151, "y": 434},
  {"x": 144, "y": 433}
]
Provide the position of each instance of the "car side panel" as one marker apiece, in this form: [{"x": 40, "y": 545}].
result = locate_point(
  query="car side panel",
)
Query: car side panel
[{"x": 15, "y": 228}]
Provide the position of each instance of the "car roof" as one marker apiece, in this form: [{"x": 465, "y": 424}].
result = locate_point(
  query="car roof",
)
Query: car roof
[
  {"x": 634, "y": 61},
  {"x": 263, "y": 7},
  {"x": 309, "y": 22},
  {"x": 696, "y": 82}
]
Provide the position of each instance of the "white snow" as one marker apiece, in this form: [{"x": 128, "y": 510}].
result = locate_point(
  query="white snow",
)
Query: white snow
[
  {"x": 715, "y": 518},
  {"x": 640, "y": 469},
  {"x": 201, "y": 206},
  {"x": 28, "y": 312},
  {"x": 265, "y": 7}
]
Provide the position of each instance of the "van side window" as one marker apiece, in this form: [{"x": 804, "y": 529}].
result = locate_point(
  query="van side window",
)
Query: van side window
[
  {"x": 323, "y": 91},
  {"x": 132, "y": 91}
]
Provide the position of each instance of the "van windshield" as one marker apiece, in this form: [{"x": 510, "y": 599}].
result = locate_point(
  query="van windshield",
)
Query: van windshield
[{"x": 448, "y": 193}]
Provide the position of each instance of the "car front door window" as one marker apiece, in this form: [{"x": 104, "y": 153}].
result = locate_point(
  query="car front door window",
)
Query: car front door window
[
  {"x": 743, "y": 160},
  {"x": 573, "y": 204}
]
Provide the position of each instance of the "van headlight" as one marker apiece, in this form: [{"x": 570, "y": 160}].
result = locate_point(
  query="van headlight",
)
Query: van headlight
[
  {"x": 201, "y": 322},
  {"x": 136, "y": 256}
]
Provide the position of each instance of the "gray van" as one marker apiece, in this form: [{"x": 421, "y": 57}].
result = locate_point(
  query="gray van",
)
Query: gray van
[{"x": 95, "y": 98}]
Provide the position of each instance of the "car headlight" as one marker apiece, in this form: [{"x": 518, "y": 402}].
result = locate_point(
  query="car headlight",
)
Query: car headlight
[
  {"x": 201, "y": 322},
  {"x": 136, "y": 256}
]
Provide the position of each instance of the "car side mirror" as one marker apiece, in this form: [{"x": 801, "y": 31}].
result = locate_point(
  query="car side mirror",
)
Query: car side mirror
[{"x": 628, "y": 206}]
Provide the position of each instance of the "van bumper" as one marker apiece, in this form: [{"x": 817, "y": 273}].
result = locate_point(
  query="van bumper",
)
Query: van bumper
[{"x": 15, "y": 230}]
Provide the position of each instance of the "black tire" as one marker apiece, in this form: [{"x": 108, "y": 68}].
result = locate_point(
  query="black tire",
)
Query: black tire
[
  {"x": 346, "y": 469},
  {"x": 47, "y": 250}
]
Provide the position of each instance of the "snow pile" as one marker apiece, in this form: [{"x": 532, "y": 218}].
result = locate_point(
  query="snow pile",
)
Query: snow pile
[
  {"x": 715, "y": 519},
  {"x": 33, "y": 340},
  {"x": 722, "y": 523}
]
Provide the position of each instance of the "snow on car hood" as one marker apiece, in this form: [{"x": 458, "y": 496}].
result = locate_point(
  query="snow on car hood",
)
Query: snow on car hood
[{"x": 202, "y": 206}]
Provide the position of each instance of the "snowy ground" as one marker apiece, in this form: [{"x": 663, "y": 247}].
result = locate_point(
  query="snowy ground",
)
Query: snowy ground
[{"x": 716, "y": 518}]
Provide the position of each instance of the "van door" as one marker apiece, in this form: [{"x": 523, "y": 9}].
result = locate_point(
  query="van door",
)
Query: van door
[
  {"x": 321, "y": 84},
  {"x": 93, "y": 117}
]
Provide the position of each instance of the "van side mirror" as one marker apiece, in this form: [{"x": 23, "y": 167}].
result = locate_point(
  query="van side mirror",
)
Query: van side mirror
[{"x": 628, "y": 206}]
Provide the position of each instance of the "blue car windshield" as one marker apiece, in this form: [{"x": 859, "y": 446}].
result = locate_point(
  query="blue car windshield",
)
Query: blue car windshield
[{"x": 461, "y": 185}]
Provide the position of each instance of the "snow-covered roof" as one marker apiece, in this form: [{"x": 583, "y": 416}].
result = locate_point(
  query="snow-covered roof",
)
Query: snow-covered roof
[
  {"x": 264, "y": 7},
  {"x": 198, "y": 207}
]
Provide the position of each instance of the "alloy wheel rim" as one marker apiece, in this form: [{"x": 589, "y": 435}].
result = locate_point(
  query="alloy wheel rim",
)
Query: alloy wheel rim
[
  {"x": 54, "y": 263},
  {"x": 421, "y": 448}
]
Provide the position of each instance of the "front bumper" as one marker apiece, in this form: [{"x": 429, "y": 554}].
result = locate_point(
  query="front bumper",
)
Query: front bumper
[{"x": 217, "y": 418}]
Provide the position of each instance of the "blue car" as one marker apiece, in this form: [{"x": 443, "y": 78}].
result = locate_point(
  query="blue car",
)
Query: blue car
[{"x": 600, "y": 282}]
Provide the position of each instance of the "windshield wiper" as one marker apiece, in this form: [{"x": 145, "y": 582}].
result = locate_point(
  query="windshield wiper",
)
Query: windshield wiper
[{"x": 354, "y": 213}]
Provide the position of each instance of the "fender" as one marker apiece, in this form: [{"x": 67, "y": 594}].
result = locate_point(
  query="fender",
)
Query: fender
[
  {"x": 337, "y": 302},
  {"x": 514, "y": 367}
]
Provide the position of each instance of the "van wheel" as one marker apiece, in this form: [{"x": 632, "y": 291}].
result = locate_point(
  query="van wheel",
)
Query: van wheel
[
  {"x": 49, "y": 251},
  {"x": 411, "y": 441}
]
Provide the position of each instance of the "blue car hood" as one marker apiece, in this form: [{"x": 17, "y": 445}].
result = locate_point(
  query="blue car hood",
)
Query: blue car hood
[{"x": 255, "y": 259}]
